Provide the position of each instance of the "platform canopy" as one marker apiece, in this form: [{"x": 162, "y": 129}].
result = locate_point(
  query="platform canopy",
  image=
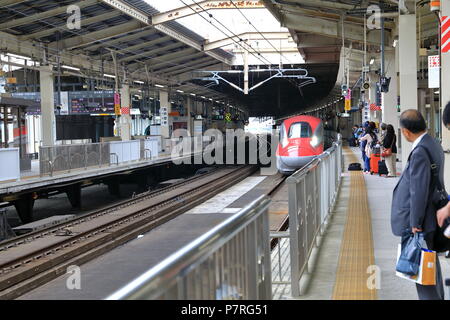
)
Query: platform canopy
[{"x": 46, "y": 32}]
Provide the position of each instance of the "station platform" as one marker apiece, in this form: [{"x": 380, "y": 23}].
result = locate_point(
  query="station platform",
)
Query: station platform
[{"x": 358, "y": 236}]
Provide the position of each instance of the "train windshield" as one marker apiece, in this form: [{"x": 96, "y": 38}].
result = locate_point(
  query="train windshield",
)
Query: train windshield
[{"x": 300, "y": 130}]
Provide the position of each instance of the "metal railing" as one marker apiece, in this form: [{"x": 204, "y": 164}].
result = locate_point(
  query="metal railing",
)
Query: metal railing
[
  {"x": 64, "y": 158},
  {"x": 312, "y": 193},
  {"x": 231, "y": 261}
]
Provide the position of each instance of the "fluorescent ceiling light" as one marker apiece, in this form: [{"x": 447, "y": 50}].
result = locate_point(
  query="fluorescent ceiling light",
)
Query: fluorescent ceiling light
[
  {"x": 138, "y": 82},
  {"x": 159, "y": 85},
  {"x": 109, "y": 76},
  {"x": 17, "y": 56},
  {"x": 372, "y": 61},
  {"x": 180, "y": 91},
  {"x": 193, "y": 94},
  {"x": 70, "y": 68}
]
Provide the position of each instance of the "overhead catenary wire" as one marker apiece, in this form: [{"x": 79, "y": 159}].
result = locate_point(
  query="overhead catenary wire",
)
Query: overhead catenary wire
[
  {"x": 250, "y": 23},
  {"x": 233, "y": 34}
]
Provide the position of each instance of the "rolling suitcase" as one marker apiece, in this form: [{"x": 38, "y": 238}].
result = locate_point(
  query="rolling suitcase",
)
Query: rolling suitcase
[
  {"x": 374, "y": 159},
  {"x": 382, "y": 168}
]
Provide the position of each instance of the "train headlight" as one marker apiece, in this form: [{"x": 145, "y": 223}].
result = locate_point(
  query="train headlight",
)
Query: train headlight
[{"x": 314, "y": 141}]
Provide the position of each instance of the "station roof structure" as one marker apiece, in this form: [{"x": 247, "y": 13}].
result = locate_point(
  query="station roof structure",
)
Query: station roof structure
[{"x": 160, "y": 54}]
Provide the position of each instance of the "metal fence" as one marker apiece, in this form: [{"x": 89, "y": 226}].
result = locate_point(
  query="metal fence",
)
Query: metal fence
[
  {"x": 68, "y": 157},
  {"x": 312, "y": 193},
  {"x": 232, "y": 261},
  {"x": 64, "y": 158}
]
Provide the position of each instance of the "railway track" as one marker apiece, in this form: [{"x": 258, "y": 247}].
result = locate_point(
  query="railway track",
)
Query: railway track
[{"x": 31, "y": 260}]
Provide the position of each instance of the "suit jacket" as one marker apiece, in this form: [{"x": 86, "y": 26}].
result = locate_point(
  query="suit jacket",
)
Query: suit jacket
[{"x": 411, "y": 195}]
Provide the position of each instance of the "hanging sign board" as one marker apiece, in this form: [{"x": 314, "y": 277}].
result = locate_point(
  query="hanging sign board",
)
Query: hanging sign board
[
  {"x": 117, "y": 104},
  {"x": 348, "y": 105},
  {"x": 434, "y": 66}
]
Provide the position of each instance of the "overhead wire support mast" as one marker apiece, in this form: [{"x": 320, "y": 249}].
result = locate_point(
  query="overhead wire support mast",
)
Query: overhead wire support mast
[{"x": 280, "y": 73}]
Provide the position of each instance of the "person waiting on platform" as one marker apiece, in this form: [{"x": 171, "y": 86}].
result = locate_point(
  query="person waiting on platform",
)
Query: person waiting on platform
[
  {"x": 390, "y": 150},
  {"x": 362, "y": 144},
  {"x": 410, "y": 211},
  {"x": 368, "y": 138},
  {"x": 383, "y": 128}
]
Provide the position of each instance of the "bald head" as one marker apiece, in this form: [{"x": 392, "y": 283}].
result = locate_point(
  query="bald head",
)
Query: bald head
[{"x": 413, "y": 121}]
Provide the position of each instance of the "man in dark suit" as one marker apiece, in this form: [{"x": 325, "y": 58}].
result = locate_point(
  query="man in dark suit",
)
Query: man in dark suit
[{"x": 411, "y": 211}]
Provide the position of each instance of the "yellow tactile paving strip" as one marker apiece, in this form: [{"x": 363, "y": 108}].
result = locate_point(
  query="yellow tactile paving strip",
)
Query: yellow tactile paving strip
[{"x": 356, "y": 253}]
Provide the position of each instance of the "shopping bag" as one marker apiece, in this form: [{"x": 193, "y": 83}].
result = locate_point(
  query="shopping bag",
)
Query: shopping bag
[
  {"x": 427, "y": 268},
  {"x": 409, "y": 261}
]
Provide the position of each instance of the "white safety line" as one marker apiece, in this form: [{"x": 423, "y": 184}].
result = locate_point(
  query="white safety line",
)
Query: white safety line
[{"x": 220, "y": 202}]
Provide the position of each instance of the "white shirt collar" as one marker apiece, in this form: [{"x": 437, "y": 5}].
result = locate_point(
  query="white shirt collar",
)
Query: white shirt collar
[{"x": 417, "y": 141}]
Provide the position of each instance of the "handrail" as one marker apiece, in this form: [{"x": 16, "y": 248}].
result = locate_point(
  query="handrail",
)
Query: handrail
[{"x": 153, "y": 283}]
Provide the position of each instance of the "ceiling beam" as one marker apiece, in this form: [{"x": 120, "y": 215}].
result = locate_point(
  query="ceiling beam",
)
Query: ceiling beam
[
  {"x": 163, "y": 59},
  {"x": 192, "y": 43},
  {"x": 186, "y": 11},
  {"x": 203, "y": 65},
  {"x": 82, "y": 40},
  {"x": 63, "y": 27},
  {"x": 144, "y": 33},
  {"x": 147, "y": 54},
  {"x": 43, "y": 15},
  {"x": 245, "y": 36},
  {"x": 180, "y": 57},
  {"x": 128, "y": 10},
  {"x": 186, "y": 66},
  {"x": 7, "y": 3},
  {"x": 331, "y": 29},
  {"x": 142, "y": 17},
  {"x": 142, "y": 44}
]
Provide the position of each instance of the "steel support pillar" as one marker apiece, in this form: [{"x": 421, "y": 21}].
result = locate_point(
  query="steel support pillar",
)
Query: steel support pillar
[
  {"x": 125, "y": 119},
  {"x": 408, "y": 71},
  {"x": 189, "y": 109},
  {"x": 373, "y": 79},
  {"x": 48, "y": 120},
  {"x": 389, "y": 100}
]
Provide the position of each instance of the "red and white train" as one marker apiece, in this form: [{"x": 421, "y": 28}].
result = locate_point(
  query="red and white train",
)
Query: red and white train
[{"x": 301, "y": 140}]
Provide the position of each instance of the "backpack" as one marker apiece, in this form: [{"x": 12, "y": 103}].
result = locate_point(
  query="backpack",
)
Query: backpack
[
  {"x": 354, "y": 166},
  {"x": 374, "y": 142},
  {"x": 439, "y": 199}
]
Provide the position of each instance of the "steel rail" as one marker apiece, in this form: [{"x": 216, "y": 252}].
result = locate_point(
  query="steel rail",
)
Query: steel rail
[{"x": 34, "y": 269}]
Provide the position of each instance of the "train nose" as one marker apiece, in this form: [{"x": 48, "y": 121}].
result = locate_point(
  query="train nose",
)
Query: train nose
[{"x": 300, "y": 148}]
